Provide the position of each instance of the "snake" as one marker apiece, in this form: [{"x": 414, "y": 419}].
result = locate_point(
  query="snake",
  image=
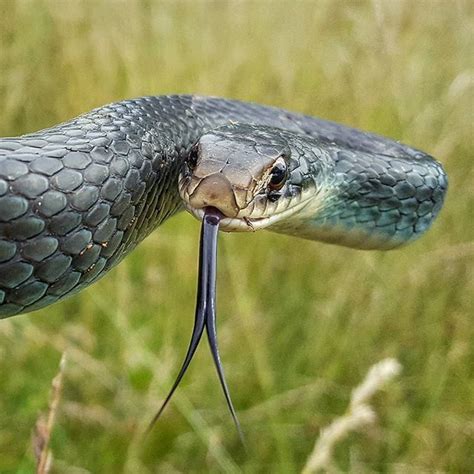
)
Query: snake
[{"x": 76, "y": 198}]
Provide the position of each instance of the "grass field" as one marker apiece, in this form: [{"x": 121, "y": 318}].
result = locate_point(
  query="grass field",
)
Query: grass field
[{"x": 300, "y": 323}]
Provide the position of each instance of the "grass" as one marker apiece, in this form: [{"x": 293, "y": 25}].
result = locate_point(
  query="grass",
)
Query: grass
[{"x": 300, "y": 323}]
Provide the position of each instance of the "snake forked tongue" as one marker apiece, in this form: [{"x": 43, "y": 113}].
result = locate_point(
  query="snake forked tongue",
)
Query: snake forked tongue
[{"x": 205, "y": 316}]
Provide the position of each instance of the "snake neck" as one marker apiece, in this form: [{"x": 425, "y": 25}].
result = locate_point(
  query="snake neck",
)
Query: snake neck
[{"x": 372, "y": 200}]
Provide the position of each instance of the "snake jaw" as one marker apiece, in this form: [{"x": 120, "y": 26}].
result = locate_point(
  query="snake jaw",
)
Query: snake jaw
[
  {"x": 250, "y": 220},
  {"x": 258, "y": 213}
]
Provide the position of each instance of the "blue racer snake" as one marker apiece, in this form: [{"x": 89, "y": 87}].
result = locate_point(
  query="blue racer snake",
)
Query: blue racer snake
[{"x": 76, "y": 198}]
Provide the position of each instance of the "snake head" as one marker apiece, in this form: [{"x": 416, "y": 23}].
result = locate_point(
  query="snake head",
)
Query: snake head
[{"x": 244, "y": 171}]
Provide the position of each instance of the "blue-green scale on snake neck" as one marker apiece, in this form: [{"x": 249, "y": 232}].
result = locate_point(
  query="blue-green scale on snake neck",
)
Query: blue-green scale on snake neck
[{"x": 76, "y": 198}]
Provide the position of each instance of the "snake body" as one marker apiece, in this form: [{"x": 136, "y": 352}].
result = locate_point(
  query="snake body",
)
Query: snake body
[{"x": 78, "y": 197}]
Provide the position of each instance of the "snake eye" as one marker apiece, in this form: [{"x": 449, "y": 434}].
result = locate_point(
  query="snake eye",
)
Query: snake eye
[
  {"x": 193, "y": 157},
  {"x": 278, "y": 175}
]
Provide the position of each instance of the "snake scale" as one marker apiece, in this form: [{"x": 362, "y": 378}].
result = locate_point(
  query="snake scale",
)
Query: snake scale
[{"x": 76, "y": 198}]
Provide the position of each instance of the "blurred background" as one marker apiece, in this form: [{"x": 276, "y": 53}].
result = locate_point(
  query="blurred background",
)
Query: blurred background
[{"x": 300, "y": 323}]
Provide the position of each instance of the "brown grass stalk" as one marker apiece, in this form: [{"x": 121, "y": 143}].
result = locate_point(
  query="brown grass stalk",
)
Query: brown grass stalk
[{"x": 45, "y": 423}]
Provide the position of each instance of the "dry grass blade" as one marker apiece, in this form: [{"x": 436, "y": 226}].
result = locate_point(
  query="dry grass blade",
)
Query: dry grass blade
[
  {"x": 45, "y": 423},
  {"x": 358, "y": 415}
]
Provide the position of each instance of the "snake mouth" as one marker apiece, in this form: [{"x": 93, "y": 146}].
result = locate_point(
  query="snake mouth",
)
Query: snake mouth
[{"x": 252, "y": 224}]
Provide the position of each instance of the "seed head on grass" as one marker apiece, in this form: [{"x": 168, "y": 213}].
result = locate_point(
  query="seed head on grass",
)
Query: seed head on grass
[{"x": 359, "y": 414}]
